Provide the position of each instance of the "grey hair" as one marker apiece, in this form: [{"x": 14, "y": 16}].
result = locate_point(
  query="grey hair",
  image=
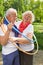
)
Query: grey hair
[
  {"x": 29, "y": 12},
  {"x": 10, "y": 10}
]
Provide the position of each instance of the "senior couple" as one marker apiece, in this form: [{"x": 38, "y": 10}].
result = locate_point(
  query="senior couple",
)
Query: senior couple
[{"x": 10, "y": 54}]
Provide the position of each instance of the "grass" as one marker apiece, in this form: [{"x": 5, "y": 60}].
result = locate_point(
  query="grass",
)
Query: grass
[
  {"x": 0, "y": 47},
  {"x": 38, "y": 30}
]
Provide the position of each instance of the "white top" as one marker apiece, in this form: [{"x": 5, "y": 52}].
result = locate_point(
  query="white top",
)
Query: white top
[
  {"x": 9, "y": 47},
  {"x": 29, "y": 29}
]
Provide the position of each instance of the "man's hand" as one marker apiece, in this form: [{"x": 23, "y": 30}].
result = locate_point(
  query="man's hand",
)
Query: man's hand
[{"x": 10, "y": 25}]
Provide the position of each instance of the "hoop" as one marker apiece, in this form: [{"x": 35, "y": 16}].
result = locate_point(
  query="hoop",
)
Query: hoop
[
  {"x": 21, "y": 48},
  {"x": 28, "y": 53}
]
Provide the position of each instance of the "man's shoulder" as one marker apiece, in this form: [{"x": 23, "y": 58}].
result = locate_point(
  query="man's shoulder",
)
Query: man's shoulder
[
  {"x": 2, "y": 28},
  {"x": 1, "y": 32},
  {"x": 18, "y": 23}
]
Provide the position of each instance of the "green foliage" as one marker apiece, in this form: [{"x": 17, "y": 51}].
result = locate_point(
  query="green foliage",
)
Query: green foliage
[
  {"x": 38, "y": 29},
  {"x": 0, "y": 47},
  {"x": 1, "y": 8},
  {"x": 40, "y": 39},
  {"x": 23, "y": 5}
]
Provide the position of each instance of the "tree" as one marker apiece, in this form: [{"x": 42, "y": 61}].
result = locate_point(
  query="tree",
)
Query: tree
[{"x": 22, "y": 6}]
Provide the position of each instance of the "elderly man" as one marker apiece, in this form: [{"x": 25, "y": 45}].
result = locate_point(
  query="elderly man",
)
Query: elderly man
[{"x": 9, "y": 51}]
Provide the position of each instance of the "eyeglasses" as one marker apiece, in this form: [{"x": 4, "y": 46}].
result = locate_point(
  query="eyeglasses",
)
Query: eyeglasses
[{"x": 13, "y": 16}]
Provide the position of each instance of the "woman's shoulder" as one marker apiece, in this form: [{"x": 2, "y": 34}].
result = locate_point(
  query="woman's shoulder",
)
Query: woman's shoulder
[
  {"x": 30, "y": 26},
  {"x": 18, "y": 22}
]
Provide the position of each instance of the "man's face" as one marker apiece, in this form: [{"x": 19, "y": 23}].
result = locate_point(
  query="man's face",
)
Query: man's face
[{"x": 12, "y": 17}]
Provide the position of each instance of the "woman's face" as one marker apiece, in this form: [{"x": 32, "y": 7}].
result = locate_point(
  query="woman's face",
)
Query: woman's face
[
  {"x": 12, "y": 17},
  {"x": 27, "y": 17}
]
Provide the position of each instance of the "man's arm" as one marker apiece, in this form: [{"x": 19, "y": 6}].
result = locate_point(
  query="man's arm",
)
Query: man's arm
[{"x": 4, "y": 39}]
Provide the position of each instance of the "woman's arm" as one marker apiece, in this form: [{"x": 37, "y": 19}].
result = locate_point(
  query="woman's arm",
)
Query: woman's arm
[
  {"x": 18, "y": 40},
  {"x": 24, "y": 40},
  {"x": 21, "y": 40}
]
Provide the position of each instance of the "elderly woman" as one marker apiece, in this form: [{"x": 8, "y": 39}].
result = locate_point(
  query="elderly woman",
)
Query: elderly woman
[
  {"x": 25, "y": 26},
  {"x": 9, "y": 51}
]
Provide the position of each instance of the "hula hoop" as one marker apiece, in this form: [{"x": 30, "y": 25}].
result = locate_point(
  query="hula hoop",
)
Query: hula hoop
[
  {"x": 24, "y": 50},
  {"x": 28, "y": 53}
]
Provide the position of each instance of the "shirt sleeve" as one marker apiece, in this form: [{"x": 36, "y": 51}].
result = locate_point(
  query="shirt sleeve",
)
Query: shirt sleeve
[
  {"x": 30, "y": 29},
  {"x": 1, "y": 32}
]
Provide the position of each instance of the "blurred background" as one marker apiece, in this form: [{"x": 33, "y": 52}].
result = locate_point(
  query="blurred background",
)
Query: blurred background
[{"x": 36, "y": 6}]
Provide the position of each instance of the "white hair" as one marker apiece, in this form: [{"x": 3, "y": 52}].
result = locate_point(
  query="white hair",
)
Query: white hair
[
  {"x": 29, "y": 12},
  {"x": 10, "y": 10}
]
